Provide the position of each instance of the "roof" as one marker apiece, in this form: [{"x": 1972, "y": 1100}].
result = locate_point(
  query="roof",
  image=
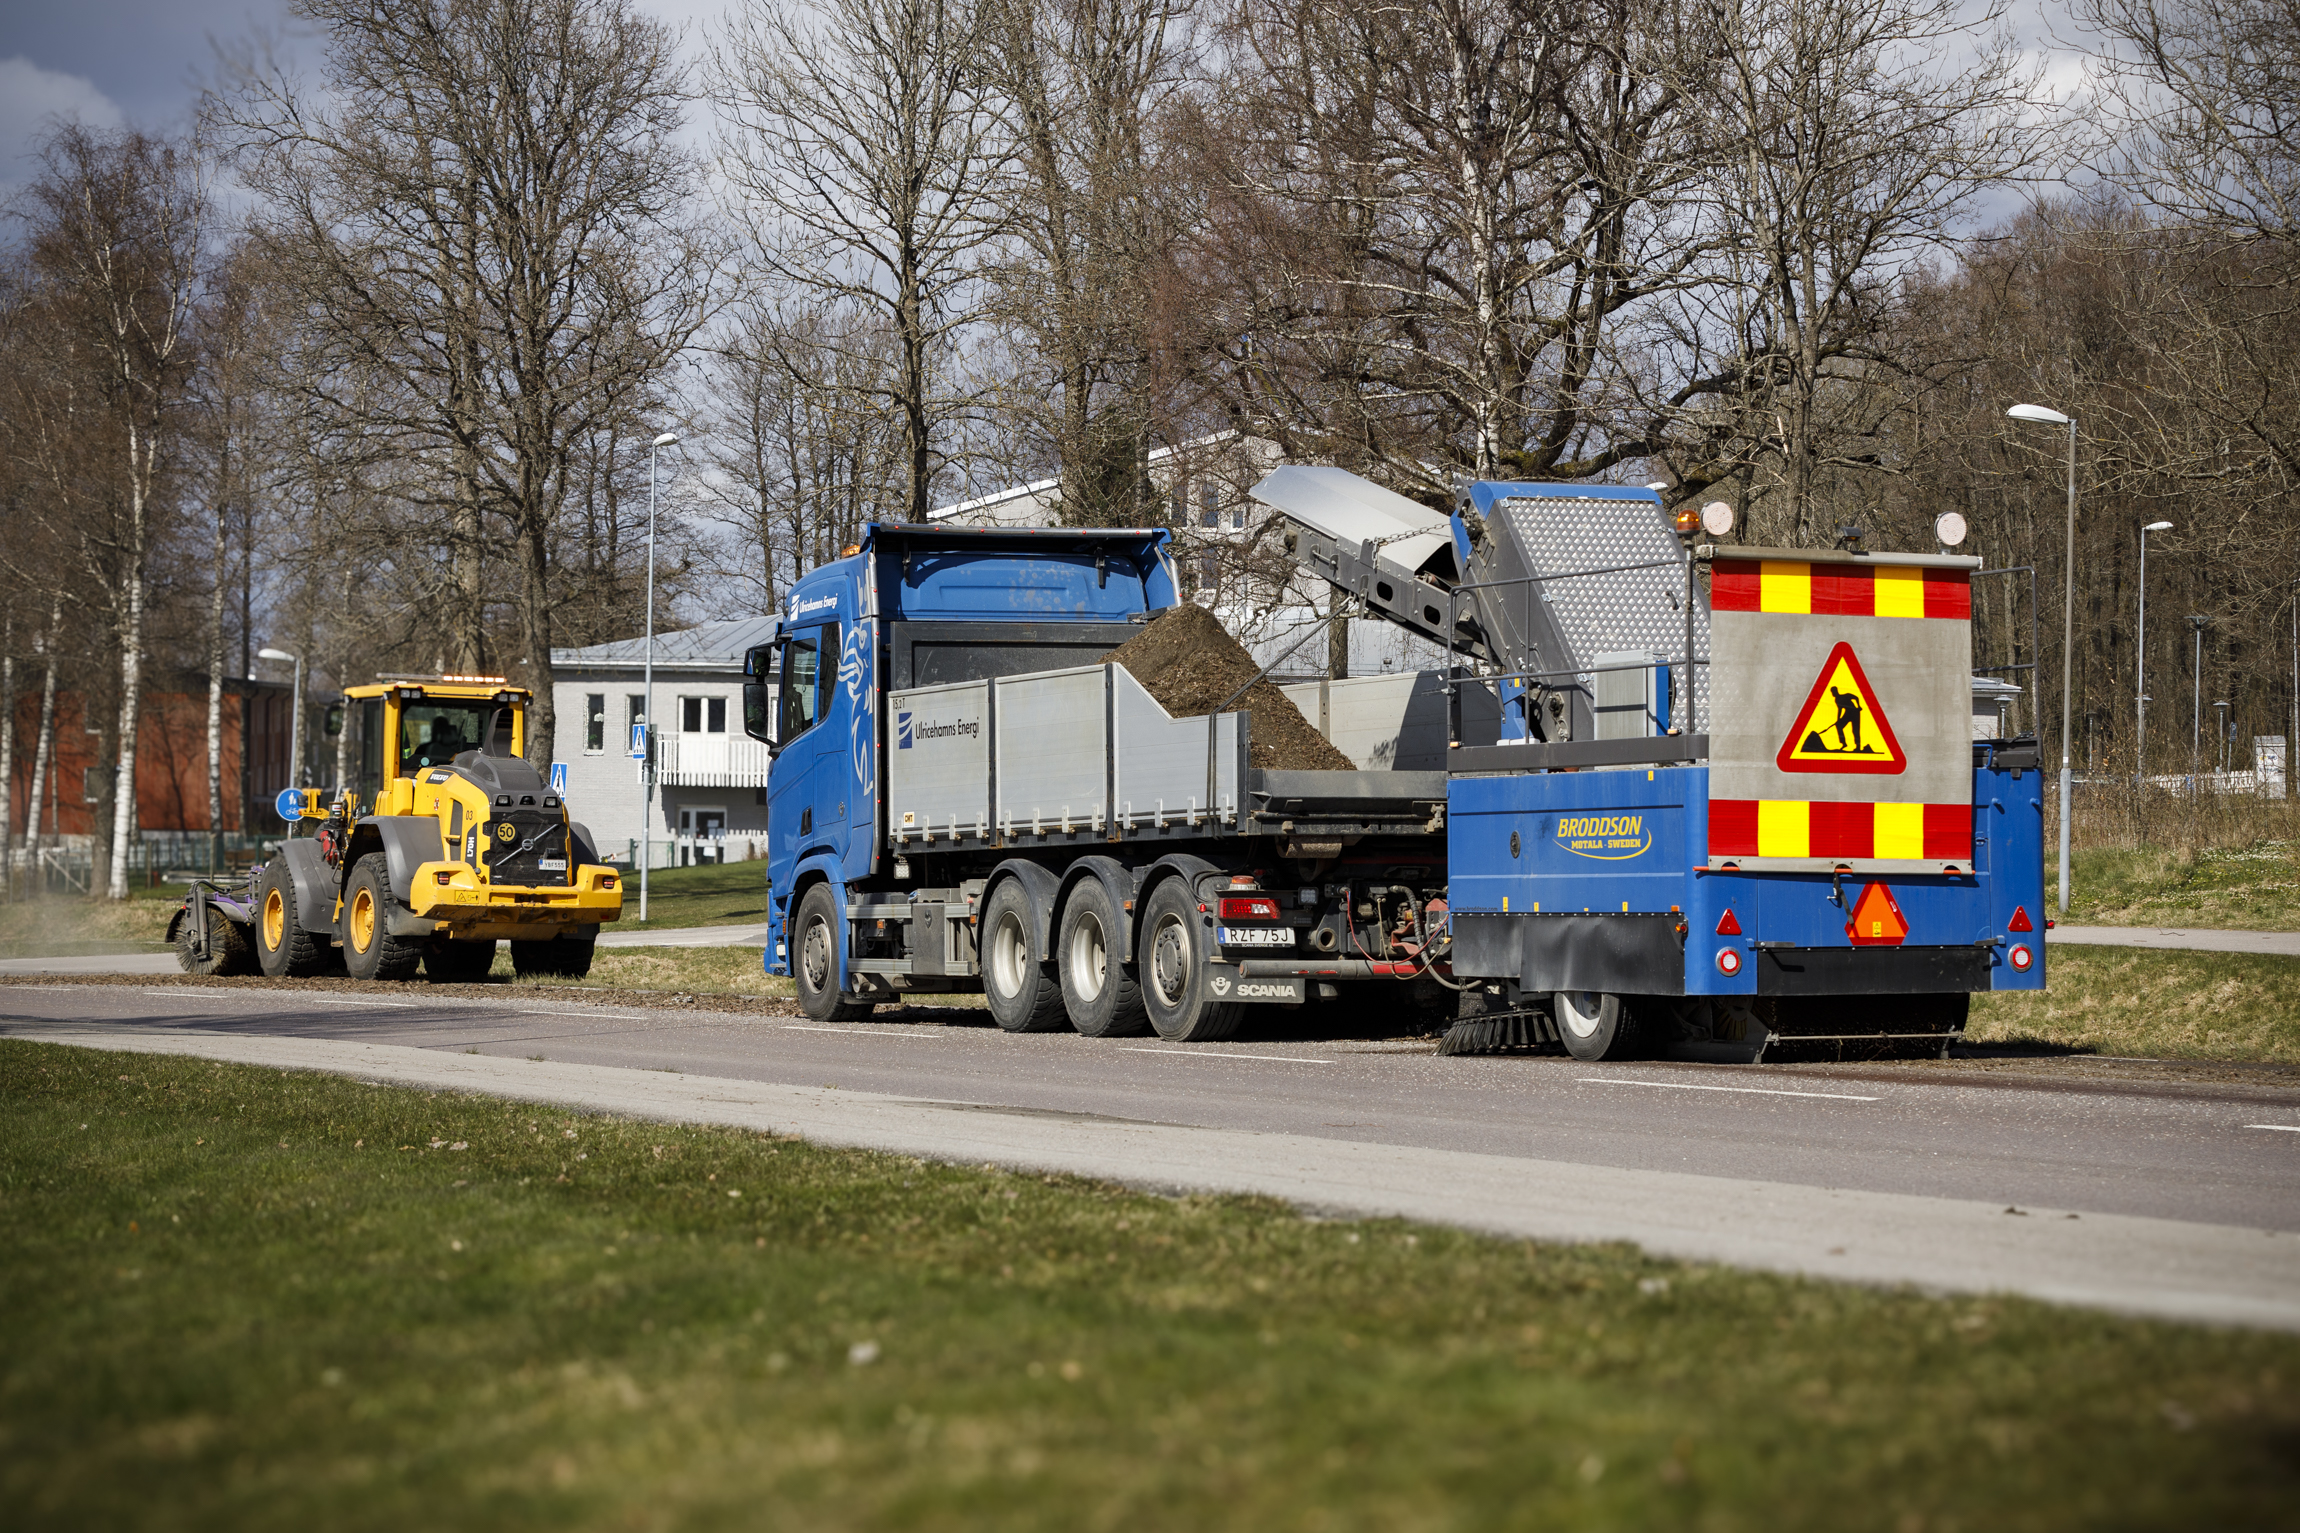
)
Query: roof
[{"x": 708, "y": 646}]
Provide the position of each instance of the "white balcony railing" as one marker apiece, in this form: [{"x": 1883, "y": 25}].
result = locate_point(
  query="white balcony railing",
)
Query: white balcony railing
[{"x": 713, "y": 761}]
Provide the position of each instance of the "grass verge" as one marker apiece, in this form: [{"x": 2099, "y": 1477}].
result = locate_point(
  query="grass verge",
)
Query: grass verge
[
  {"x": 732, "y": 893},
  {"x": 2152, "y": 1002},
  {"x": 240, "y": 1298},
  {"x": 58, "y": 926},
  {"x": 2247, "y": 888}
]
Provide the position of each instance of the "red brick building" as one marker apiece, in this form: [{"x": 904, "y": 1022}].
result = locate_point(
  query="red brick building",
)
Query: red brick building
[{"x": 171, "y": 759}]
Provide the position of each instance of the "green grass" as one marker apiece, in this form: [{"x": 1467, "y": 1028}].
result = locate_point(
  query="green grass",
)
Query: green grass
[
  {"x": 2155, "y": 1003},
  {"x": 238, "y": 1298},
  {"x": 56, "y": 926},
  {"x": 733, "y": 893},
  {"x": 2249, "y": 888}
]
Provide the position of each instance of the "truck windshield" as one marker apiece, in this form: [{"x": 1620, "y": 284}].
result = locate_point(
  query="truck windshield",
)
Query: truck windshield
[{"x": 434, "y": 734}]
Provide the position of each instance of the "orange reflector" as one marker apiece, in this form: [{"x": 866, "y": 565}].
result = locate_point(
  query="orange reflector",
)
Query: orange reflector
[
  {"x": 1727, "y": 926},
  {"x": 1877, "y": 920},
  {"x": 2019, "y": 922}
]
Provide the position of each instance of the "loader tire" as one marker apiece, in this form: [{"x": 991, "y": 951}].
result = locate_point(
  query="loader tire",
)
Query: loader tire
[
  {"x": 284, "y": 949},
  {"x": 1177, "y": 984},
  {"x": 560, "y": 958},
  {"x": 1018, "y": 982},
  {"x": 370, "y": 951},
  {"x": 1102, "y": 998},
  {"x": 449, "y": 962},
  {"x": 1597, "y": 1026},
  {"x": 815, "y": 958}
]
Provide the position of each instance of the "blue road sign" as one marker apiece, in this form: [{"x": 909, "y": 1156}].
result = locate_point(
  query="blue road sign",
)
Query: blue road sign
[
  {"x": 559, "y": 777},
  {"x": 289, "y": 803},
  {"x": 638, "y": 742}
]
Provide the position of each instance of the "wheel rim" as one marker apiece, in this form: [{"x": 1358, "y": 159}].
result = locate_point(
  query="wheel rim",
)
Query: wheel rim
[
  {"x": 1089, "y": 958},
  {"x": 1580, "y": 1012},
  {"x": 275, "y": 919},
  {"x": 1170, "y": 961},
  {"x": 1009, "y": 953},
  {"x": 815, "y": 955},
  {"x": 363, "y": 919}
]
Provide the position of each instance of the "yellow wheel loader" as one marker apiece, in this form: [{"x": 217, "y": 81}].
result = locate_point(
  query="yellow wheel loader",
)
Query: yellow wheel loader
[{"x": 447, "y": 843}]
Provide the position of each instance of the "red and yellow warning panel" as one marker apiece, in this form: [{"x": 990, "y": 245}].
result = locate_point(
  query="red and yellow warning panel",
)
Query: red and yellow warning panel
[
  {"x": 1769, "y": 827},
  {"x": 1820, "y": 589},
  {"x": 1842, "y": 727}
]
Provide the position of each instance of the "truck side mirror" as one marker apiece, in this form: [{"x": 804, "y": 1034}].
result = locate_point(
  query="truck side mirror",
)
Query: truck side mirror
[{"x": 759, "y": 713}]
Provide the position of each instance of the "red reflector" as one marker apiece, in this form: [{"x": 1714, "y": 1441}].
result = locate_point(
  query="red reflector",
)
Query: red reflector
[
  {"x": 1728, "y": 962},
  {"x": 2021, "y": 957},
  {"x": 2019, "y": 922},
  {"x": 1727, "y": 926},
  {"x": 1259, "y": 907}
]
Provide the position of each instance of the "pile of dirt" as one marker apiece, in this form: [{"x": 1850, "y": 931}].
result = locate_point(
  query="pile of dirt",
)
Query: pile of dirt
[{"x": 1185, "y": 659}]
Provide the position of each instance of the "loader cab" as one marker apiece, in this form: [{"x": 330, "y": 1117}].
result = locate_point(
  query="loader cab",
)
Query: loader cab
[{"x": 410, "y": 725}]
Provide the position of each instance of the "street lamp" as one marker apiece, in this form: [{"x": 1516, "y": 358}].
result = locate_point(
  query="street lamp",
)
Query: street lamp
[
  {"x": 2140, "y": 664},
  {"x": 647, "y": 762},
  {"x": 295, "y": 726},
  {"x": 2067, "y": 622},
  {"x": 2196, "y": 620}
]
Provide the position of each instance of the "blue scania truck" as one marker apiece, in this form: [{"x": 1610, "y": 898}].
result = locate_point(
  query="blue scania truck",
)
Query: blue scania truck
[{"x": 1633, "y": 811}]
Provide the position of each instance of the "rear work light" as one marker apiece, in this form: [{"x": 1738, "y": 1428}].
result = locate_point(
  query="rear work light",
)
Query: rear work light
[
  {"x": 2020, "y": 957},
  {"x": 1253, "y": 907},
  {"x": 1728, "y": 961}
]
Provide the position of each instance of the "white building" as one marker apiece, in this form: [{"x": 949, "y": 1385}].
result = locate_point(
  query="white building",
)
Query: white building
[{"x": 711, "y": 798}]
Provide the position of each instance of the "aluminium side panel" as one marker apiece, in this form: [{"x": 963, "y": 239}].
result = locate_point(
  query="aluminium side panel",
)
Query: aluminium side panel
[
  {"x": 1161, "y": 768},
  {"x": 938, "y": 772},
  {"x": 1051, "y": 770}
]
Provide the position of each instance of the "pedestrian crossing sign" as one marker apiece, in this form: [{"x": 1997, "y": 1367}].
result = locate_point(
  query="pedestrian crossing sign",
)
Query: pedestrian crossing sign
[{"x": 1841, "y": 728}]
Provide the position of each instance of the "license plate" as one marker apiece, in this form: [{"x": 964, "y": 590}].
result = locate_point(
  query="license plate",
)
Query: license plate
[
  {"x": 552, "y": 864},
  {"x": 1255, "y": 936}
]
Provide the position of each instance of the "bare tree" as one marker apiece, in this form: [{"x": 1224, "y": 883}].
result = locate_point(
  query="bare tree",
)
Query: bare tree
[
  {"x": 864, "y": 140},
  {"x": 484, "y": 219}
]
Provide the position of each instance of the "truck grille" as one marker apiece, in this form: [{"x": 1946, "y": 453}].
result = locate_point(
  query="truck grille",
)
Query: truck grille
[{"x": 536, "y": 837}]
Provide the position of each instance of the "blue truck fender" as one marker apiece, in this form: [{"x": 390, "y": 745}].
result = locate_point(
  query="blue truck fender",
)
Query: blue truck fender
[
  {"x": 1043, "y": 887},
  {"x": 1121, "y": 883},
  {"x": 823, "y": 867}
]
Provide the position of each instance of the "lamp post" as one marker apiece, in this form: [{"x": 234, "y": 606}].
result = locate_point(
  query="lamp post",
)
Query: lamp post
[
  {"x": 2067, "y": 622},
  {"x": 2196, "y": 621},
  {"x": 2140, "y": 665},
  {"x": 647, "y": 715},
  {"x": 295, "y": 725},
  {"x": 2220, "y": 728}
]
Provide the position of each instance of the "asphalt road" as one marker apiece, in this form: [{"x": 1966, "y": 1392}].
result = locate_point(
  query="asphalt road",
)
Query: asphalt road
[{"x": 1944, "y": 1176}]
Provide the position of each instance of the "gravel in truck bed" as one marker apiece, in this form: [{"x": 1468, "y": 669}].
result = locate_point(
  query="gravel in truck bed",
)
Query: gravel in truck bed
[{"x": 1186, "y": 660}]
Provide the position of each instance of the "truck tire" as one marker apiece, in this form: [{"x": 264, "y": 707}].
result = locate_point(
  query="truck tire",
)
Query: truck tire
[
  {"x": 560, "y": 958},
  {"x": 1595, "y": 1026},
  {"x": 230, "y": 951},
  {"x": 1103, "y": 1000},
  {"x": 370, "y": 951},
  {"x": 448, "y": 962},
  {"x": 284, "y": 950},
  {"x": 815, "y": 959},
  {"x": 1174, "y": 978},
  {"x": 1017, "y": 981}
]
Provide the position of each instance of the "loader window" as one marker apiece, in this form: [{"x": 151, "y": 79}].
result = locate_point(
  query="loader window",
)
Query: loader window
[
  {"x": 803, "y": 680},
  {"x": 370, "y": 747},
  {"x": 434, "y": 734}
]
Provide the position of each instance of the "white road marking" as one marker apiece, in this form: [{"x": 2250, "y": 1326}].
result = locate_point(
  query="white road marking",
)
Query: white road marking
[
  {"x": 2281, "y": 1128},
  {"x": 1283, "y": 1059},
  {"x": 603, "y": 1016},
  {"x": 333, "y": 1000},
  {"x": 1760, "y": 1091},
  {"x": 862, "y": 1032}
]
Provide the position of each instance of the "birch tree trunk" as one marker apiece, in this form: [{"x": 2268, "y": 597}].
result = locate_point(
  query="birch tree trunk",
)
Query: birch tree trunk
[
  {"x": 8, "y": 758},
  {"x": 218, "y": 557},
  {"x": 44, "y": 750}
]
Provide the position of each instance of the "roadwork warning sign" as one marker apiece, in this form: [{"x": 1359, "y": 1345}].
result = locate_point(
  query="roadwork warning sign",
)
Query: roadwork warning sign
[{"x": 1841, "y": 728}]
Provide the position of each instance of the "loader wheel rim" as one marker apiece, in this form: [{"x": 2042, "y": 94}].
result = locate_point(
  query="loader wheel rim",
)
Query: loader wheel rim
[
  {"x": 1170, "y": 962},
  {"x": 1009, "y": 953},
  {"x": 275, "y": 919},
  {"x": 1089, "y": 958},
  {"x": 363, "y": 919}
]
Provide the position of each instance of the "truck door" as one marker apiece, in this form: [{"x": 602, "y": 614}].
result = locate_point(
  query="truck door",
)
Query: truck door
[{"x": 795, "y": 818}]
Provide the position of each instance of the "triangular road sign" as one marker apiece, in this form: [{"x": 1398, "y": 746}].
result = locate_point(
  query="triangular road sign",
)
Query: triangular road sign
[
  {"x": 1841, "y": 728},
  {"x": 1877, "y": 919}
]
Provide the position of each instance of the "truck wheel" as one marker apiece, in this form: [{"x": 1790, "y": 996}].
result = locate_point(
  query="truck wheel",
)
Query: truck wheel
[
  {"x": 1103, "y": 1000},
  {"x": 448, "y": 962},
  {"x": 559, "y": 958},
  {"x": 1175, "y": 989},
  {"x": 1595, "y": 1026},
  {"x": 370, "y": 951},
  {"x": 815, "y": 959},
  {"x": 229, "y": 951},
  {"x": 1017, "y": 981},
  {"x": 284, "y": 949}
]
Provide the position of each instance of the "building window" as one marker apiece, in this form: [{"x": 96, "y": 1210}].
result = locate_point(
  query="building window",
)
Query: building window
[
  {"x": 1209, "y": 509},
  {"x": 703, "y": 715},
  {"x": 1209, "y": 574},
  {"x": 594, "y": 722}
]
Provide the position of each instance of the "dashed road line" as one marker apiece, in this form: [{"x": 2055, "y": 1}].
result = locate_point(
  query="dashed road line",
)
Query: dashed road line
[
  {"x": 1281, "y": 1059},
  {"x": 1759, "y": 1091}
]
